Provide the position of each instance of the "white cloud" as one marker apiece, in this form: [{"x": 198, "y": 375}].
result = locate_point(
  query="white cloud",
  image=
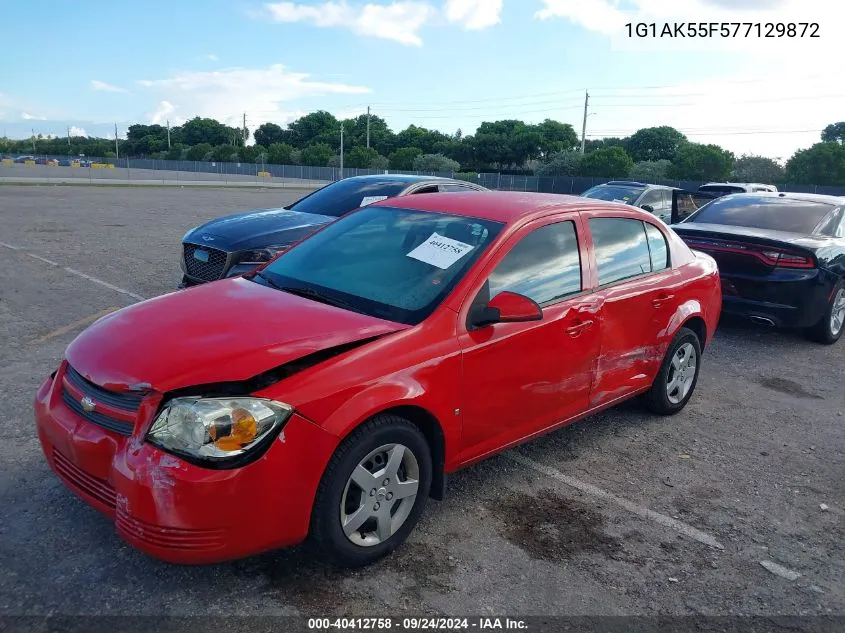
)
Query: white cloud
[
  {"x": 212, "y": 57},
  {"x": 397, "y": 21},
  {"x": 596, "y": 15},
  {"x": 77, "y": 131},
  {"x": 474, "y": 14},
  {"x": 226, "y": 94},
  {"x": 102, "y": 86},
  {"x": 32, "y": 117}
]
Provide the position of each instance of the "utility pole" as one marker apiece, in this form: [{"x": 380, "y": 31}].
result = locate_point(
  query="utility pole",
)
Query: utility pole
[
  {"x": 584, "y": 126},
  {"x": 68, "y": 136},
  {"x": 246, "y": 134},
  {"x": 368, "y": 127},
  {"x": 116, "y": 152},
  {"x": 33, "y": 140},
  {"x": 168, "y": 133},
  {"x": 341, "y": 150}
]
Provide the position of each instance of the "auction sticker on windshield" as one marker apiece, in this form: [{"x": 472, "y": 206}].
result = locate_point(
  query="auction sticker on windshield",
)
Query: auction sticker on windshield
[
  {"x": 440, "y": 251},
  {"x": 370, "y": 199}
]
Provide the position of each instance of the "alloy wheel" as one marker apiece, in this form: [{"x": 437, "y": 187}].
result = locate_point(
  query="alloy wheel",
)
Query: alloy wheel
[
  {"x": 681, "y": 373},
  {"x": 837, "y": 313},
  {"x": 379, "y": 495}
]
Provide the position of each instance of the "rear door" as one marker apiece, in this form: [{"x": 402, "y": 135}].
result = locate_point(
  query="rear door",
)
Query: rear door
[
  {"x": 637, "y": 290},
  {"x": 685, "y": 203}
]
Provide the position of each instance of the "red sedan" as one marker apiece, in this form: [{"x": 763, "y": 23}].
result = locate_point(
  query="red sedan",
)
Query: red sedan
[{"x": 328, "y": 394}]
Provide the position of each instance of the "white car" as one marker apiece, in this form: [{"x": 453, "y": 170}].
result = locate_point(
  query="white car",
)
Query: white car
[{"x": 724, "y": 188}]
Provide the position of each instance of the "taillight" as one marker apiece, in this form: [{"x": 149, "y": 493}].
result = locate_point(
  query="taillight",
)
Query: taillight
[{"x": 770, "y": 256}]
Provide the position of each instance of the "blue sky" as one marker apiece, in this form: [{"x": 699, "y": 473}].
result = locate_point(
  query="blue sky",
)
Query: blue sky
[{"x": 444, "y": 64}]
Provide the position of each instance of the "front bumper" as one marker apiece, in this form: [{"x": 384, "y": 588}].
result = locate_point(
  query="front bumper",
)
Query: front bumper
[{"x": 176, "y": 511}]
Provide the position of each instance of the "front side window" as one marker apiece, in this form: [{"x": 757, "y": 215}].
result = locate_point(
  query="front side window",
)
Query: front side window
[
  {"x": 652, "y": 198},
  {"x": 621, "y": 248},
  {"x": 545, "y": 265},
  {"x": 396, "y": 264}
]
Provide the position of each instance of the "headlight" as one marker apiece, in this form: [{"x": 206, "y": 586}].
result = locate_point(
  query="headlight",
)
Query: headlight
[
  {"x": 217, "y": 431},
  {"x": 261, "y": 255}
]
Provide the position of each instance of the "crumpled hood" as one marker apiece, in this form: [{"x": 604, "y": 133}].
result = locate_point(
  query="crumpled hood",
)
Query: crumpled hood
[
  {"x": 256, "y": 229},
  {"x": 224, "y": 331}
]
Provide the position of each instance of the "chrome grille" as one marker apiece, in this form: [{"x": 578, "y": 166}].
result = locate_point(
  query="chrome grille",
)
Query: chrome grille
[{"x": 209, "y": 270}]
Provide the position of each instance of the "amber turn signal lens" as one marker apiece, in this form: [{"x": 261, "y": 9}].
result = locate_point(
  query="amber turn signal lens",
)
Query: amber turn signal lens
[{"x": 244, "y": 430}]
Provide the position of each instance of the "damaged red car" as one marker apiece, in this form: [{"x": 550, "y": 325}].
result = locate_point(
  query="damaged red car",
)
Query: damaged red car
[{"x": 328, "y": 394}]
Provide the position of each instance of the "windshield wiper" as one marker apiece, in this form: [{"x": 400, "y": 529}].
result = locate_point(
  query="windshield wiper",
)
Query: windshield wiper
[
  {"x": 316, "y": 295},
  {"x": 269, "y": 281}
]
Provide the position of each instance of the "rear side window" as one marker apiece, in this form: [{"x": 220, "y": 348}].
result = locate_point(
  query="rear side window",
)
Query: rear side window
[
  {"x": 657, "y": 247},
  {"x": 545, "y": 265},
  {"x": 764, "y": 212},
  {"x": 621, "y": 248}
]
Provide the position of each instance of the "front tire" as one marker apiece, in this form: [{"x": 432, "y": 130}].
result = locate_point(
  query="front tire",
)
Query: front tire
[
  {"x": 372, "y": 493},
  {"x": 829, "y": 328},
  {"x": 678, "y": 375}
]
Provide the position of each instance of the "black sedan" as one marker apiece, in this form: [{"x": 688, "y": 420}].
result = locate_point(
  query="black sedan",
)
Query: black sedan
[
  {"x": 781, "y": 257},
  {"x": 235, "y": 244}
]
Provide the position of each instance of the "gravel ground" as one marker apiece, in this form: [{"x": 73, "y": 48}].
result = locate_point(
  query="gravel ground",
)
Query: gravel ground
[{"x": 610, "y": 516}]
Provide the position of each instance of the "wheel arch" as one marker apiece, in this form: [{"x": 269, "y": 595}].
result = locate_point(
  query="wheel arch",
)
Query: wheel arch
[{"x": 699, "y": 326}]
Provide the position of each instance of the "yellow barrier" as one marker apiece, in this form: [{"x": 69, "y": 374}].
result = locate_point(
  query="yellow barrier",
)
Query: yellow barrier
[
  {"x": 29, "y": 163},
  {"x": 7, "y": 161},
  {"x": 264, "y": 174},
  {"x": 74, "y": 164},
  {"x": 102, "y": 166}
]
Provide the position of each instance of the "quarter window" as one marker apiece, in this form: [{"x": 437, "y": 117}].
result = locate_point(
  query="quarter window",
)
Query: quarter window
[
  {"x": 621, "y": 248},
  {"x": 545, "y": 265},
  {"x": 658, "y": 247}
]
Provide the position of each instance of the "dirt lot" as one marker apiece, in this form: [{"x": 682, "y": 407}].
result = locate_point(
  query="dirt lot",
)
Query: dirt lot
[{"x": 622, "y": 513}]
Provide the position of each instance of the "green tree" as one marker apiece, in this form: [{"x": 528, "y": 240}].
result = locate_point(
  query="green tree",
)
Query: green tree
[
  {"x": 561, "y": 164},
  {"x": 415, "y": 136},
  {"x": 821, "y": 164},
  {"x": 176, "y": 152},
  {"x": 280, "y": 154},
  {"x": 750, "y": 168},
  {"x": 252, "y": 154},
  {"x": 403, "y": 159},
  {"x": 506, "y": 143},
  {"x": 316, "y": 127},
  {"x": 650, "y": 170},
  {"x": 607, "y": 161},
  {"x": 834, "y": 132},
  {"x": 361, "y": 157},
  {"x": 655, "y": 143},
  {"x": 199, "y": 130},
  {"x": 269, "y": 133},
  {"x": 556, "y": 137},
  {"x": 435, "y": 162},
  {"x": 201, "y": 151},
  {"x": 224, "y": 153},
  {"x": 697, "y": 161},
  {"x": 380, "y": 162},
  {"x": 610, "y": 141},
  {"x": 317, "y": 155}
]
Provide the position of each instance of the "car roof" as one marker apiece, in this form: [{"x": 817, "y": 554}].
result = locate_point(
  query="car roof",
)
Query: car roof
[
  {"x": 805, "y": 197},
  {"x": 409, "y": 178},
  {"x": 737, "y": 184},
  {"x": 501, "y": 206},
  {"x": 632, "y": 183}
]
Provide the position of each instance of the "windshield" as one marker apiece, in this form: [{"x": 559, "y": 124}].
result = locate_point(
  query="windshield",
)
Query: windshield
[
  {"x": 343, "y": 196},
  {"x": 614, "y": 193},
  {"x": 395, "y": 264},
  {"x": 774, "y": 213},
  {"x": 722, "y": 189}
]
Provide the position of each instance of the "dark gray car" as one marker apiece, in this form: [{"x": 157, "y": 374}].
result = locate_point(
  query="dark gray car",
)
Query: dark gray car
[
  {"x": 236, "y": 244},
  {"x": 656, "y": 199}
]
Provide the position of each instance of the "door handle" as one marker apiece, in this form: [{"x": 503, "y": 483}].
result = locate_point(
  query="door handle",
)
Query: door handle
[
  {"x": 577, "y": 328},
  {"x": 659, "y": 301}
]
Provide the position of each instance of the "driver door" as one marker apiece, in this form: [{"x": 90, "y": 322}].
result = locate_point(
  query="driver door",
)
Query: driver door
[{"x": 521, "y": 378}]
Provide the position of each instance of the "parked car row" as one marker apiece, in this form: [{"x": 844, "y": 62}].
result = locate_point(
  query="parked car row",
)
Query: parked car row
[
  {"x": 60, "y": 162},
  {"x": 406, "y": 337}
]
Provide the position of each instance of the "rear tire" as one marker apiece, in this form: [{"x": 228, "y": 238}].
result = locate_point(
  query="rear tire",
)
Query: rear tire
[
  {"x": 364, "y": 508},
  {"x": 829, "y": 328},
  {"x": 678, "y": 375}
]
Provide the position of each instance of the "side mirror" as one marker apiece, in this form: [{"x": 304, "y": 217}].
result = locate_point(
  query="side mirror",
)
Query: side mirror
[
  {"x": 507, "y": 307},
  {"x": 648, "y": 207}
]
